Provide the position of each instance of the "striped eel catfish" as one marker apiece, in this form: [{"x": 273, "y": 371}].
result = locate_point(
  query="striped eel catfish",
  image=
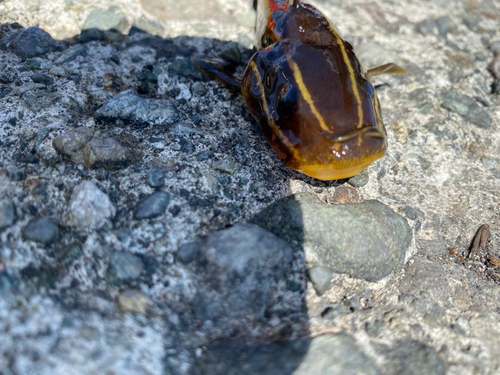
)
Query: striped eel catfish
[{"x": 312, "y": 98}]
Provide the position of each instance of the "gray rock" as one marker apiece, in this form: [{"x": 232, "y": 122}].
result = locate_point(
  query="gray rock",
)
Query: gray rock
[
  {"x": 466, "y": 107},
  {"x": 42, "y": 78},
  {"x": 105, "y": 20},
  {"x": 124, "y": 267},
  {"x": 42, "y": 230},
  {"x": 411, "y": 357},
  {"x": 231, "y": 53},
  {"x": 425, "y": 275},
  {"x": 365, "y": 240},
  {"x": 89, "y": 208},
  {"x": 134, "y": 301},
  {"x": 153, "y": 206},
  {"x": 239, "y": 267},
  {"x": 188, "y": 252},
  {"x": 156, "y": 177},
  {"x": 128, "y": 108},
  {"x": 204, "y": 155},
  {"x": 110, "y": 153},
  {"x": 326, "y": 355},
  {"x": 320, "y": 277},
  {"x": 71, "y": 143},
  {"x": 16, "y": 174},
  {"x": 361, "y": 179},
  {"x": 30, "y": 42},
  {"x": 7, "y": 213},
  {"x": 229, "y": 166}
]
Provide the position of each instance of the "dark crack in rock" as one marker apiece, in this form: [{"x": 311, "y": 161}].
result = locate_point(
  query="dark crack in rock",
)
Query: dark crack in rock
[
  {"x": 365, "y": 240},
  {"x": 153, "y": 206},
  {"x": 128, "y": 108},
  {"x": 239, "y": 267},
  {"x": 42, "y": 230}
]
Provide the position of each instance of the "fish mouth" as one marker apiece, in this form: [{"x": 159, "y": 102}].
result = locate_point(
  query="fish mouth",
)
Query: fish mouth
[
  {"x": 367, "y": 130},
  {"x": 366, "y": 144}
]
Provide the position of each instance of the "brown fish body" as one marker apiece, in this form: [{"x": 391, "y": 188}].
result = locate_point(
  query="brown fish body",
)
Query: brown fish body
[{"x": 310, "y": 95}]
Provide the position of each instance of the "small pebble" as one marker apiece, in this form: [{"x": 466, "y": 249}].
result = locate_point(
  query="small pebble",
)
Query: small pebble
[
  {"x": 133, "y": 301},
  {"x": 228, "y": 166},
  {"x": 124, "y": 267},
  {"x": 7, "y": 213},
  {"x": 153, "y": 206},
  {"x": 156, "y": 178},
  {"x": 321, "y": 278},
  {"x": 89, "y": 208},
  {"x": 42, "y": 230}
]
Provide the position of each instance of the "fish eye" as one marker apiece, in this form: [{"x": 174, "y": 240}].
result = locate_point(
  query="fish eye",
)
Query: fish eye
[
  {"x": 286, "y": 101},
  {"x": 266, "y": 40}
]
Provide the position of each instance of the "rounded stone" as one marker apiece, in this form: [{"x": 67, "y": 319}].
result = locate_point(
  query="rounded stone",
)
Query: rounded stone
[
  {"x": 133, "y": 301},
  {"x": 89, "y": 208},
  {"x": 320, "y": 277},
  {"x": 153, "y": 206},
  {"x": 7, "y": 213},
  {"x": 366, "y": 240},
  {"x": 124, "y": 267},
  {"x": 42, "y": 230},
  {"x": 156, "y": 177}
]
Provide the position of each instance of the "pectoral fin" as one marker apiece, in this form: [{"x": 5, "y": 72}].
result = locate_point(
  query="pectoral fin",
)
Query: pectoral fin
[
  {"x": 216, "y": 68},
  {"x": 390, "y": 68}
]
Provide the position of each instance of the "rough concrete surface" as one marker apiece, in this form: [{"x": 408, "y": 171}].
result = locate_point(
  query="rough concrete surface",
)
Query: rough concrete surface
[{"x": 127, "y": 176}]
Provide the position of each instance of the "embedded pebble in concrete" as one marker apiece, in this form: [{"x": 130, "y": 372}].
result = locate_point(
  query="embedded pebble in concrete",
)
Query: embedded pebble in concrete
[
  {"x": 327, "y": 354},
  {"x": 42, "y": 78},
  {"x": 321, "y": 278},
  {"x": 156, "y": 177},
  {"x": 124, "y": 267},
  {"x": 239, "y": 267},
  {"x": 229, "y": 166},
  {"x": 110, "y": 153},
  {"x": 7, "y": 213},
  {"x": 134, "y": 301},
  {"x": 42, "y": 230},
  {"x": 128, "y": 108},
  {"x": 153, "y": 206},
  {"x": 71, "y": 143},
  {"x": 89, "y": 208},
  {"x": 466, "y": 107},
  {"x": 411, "y": 357},
  {"x": 30, "y": 42},
  {"x": 365, "y": 240}
]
